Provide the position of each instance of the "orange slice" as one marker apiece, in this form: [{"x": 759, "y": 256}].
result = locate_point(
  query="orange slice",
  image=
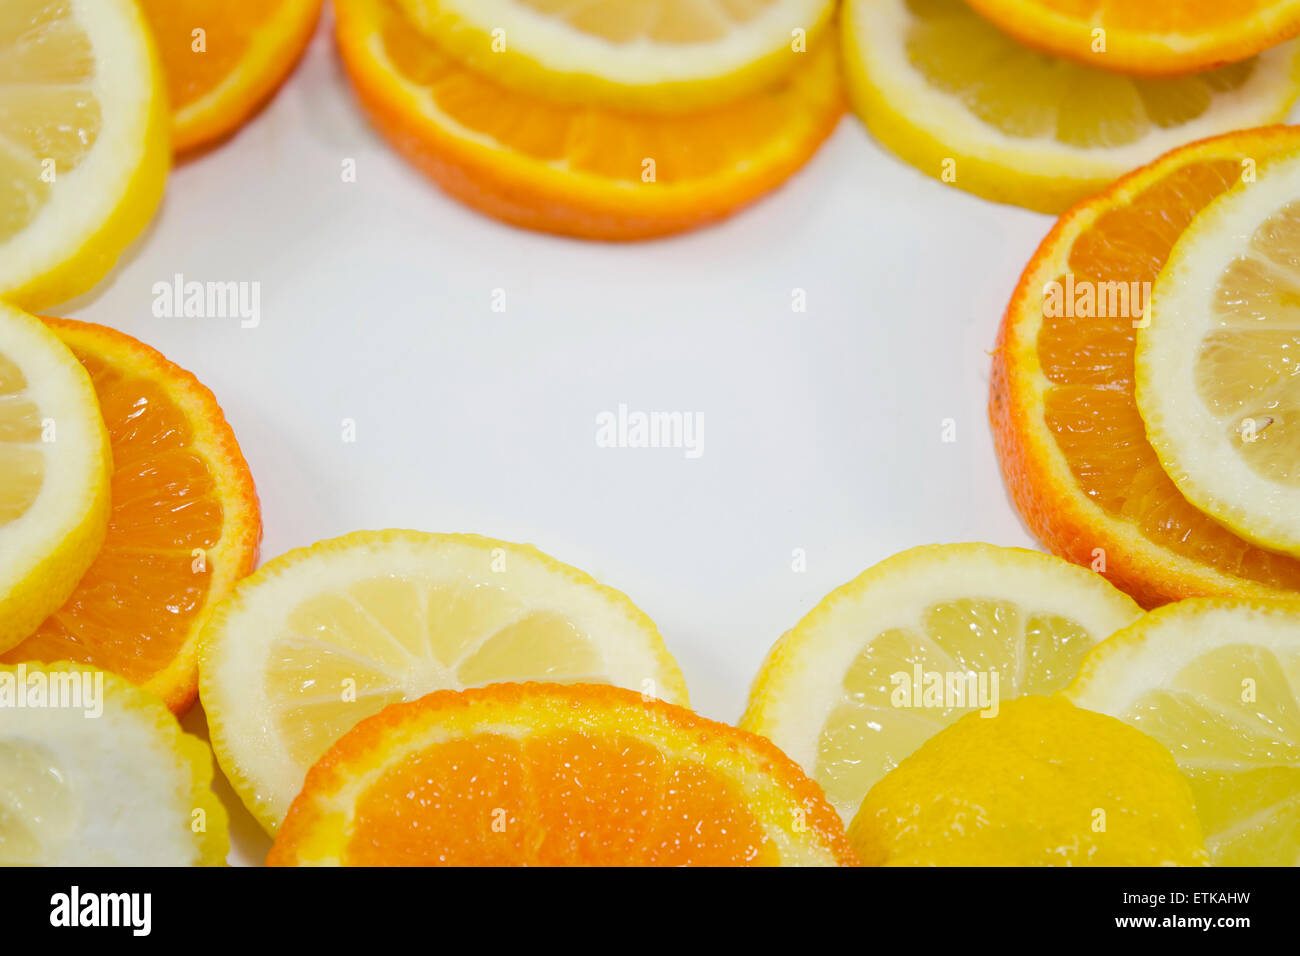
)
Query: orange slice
[
  {"x": 184, "y": 525},
  {"x": 579, "y": 171},
  {"x": 1149, "y": 37},
  {"x": 555, "y": 775},
  {"x": 1073, "y": 445},
  {"x": 224, "y": 58}
]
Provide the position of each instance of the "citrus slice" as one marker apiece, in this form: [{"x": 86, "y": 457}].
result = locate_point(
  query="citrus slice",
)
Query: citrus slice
[
  {"x": 1043, "y": 783},
  {"x": 184, "y": 524},
  {"x": 1217, "y": 681},
  {"x": 966, "y": 104},
  {"x": 550, "y": 775},
  {"x": 1153, "y": 37},
  {"x": 1073, "y": 447},
  {"x": 83, "y": 143},
  {"x": 95, "y": 772},
  {"x": 223, "y": 58},
  {"x": 575, "y": 170},
  {"x": 1216, "y": 367},
  {"x": 325, "y": 636},
  {"x": 886, "y": 661},
  {"x": 54, "y": 468},
  {"x": 658, "y": 55}
]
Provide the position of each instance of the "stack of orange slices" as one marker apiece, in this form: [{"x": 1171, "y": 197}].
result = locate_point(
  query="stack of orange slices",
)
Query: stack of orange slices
[
  {"x": 602, "y": 120},
  {"x": 404, "y": 698}
]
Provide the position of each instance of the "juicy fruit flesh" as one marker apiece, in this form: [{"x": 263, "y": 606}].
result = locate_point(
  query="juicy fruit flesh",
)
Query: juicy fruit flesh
[
  {"x": 1240, "y": 751},
  {"x": 553, "y": 800},
  {"x": 22, "y": 466},
  {"x": 1027, "y": 94},
  {"x": 866, "y": 736},
  {"x": 229, "y": 28},
  {"x": 38, "y": 809},
  {"x": 1246, "y": 369},
  {"x": 605, "y": 143},
  {"x": 136, "y": 604},
  {"x": 344, "y": 656},
  {"x": 659, "y": 21},
  {"x": 49, "y": 116},
  {"x": 1090, "y": 407}
]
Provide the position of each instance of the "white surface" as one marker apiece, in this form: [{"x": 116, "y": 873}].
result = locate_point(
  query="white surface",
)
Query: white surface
[{"x": 823, "y": 430}]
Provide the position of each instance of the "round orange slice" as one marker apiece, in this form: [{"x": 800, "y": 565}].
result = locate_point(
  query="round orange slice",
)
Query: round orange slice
[
  {"x": 183, "y": 528},
  {"x": 224, "y": 58},
  {"x": 1073, "y": 445},
  {"x": 1147, "y": 37},
  {"x": 555, "y": 775},
  {"x": 574, "y": 170}
]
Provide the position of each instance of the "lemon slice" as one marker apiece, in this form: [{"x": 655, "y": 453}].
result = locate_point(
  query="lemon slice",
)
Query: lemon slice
[
  {"x": 1218, "y": 367},
  {"x": 1218, "y": 683},
  {"x": 83, "y": 143},
  {"x": 657, "y": 55},
  {"x": 848, "y": 693},
  {"x": 968, "y": 105},
  {"x": 54, "y": 471},
  {"x": 96, "y": 772},
  {"x": 324, "y": 636}
]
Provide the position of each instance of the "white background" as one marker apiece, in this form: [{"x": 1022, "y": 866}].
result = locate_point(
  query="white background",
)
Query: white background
[{"x": 822, "y": 430}]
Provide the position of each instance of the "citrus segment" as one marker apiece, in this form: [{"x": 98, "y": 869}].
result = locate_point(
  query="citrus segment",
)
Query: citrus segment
[
  {"x": 662, "y": 56},
  {"x": 1147, "y": 36},
  {"x": 579, "y": 171},
  {"x": 223, "y": 58},
  {"x": 1042, "y": 783},
  {"x": 1215, "y": 373},
  {"x": 552, "y": 775},
  {"x": 184, "y": 524},
  {"x": 1217, "y": 681},
  {"x": 886, "y": 661},
  {"x": 324, "y": 636},
  {"x": 968, "y": 105},
  {"x": 95, "y": 772},
  {"x": 1068, "y": 431},
  {"x": 83, "y": 152},
  {"x": 54, "y": 468}
]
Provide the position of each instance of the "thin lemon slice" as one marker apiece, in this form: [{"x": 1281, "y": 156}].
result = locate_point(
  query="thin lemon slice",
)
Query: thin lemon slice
[
  {"x": 668, "y": 56},
  {"x": 1218, "y": 683},
  {"x": 54, "y": 474},
  {"x": 83, "y": 143},
  {"x": 325, "y": 636},
  {"x": 1218, "y": 367},
  {"x": 96, "y": 772},
  {"x": 851, "y": 690},
  {"x": 968, "y": 105}
]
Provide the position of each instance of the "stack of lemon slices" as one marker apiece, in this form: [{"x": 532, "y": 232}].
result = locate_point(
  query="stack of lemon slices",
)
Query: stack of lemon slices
[
  {"x": 605, "y": 120},
  {"x": 1041, "y": 103},
  {"x": 1157, "y": 442},
  {"x": 966, "y": 705}
]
